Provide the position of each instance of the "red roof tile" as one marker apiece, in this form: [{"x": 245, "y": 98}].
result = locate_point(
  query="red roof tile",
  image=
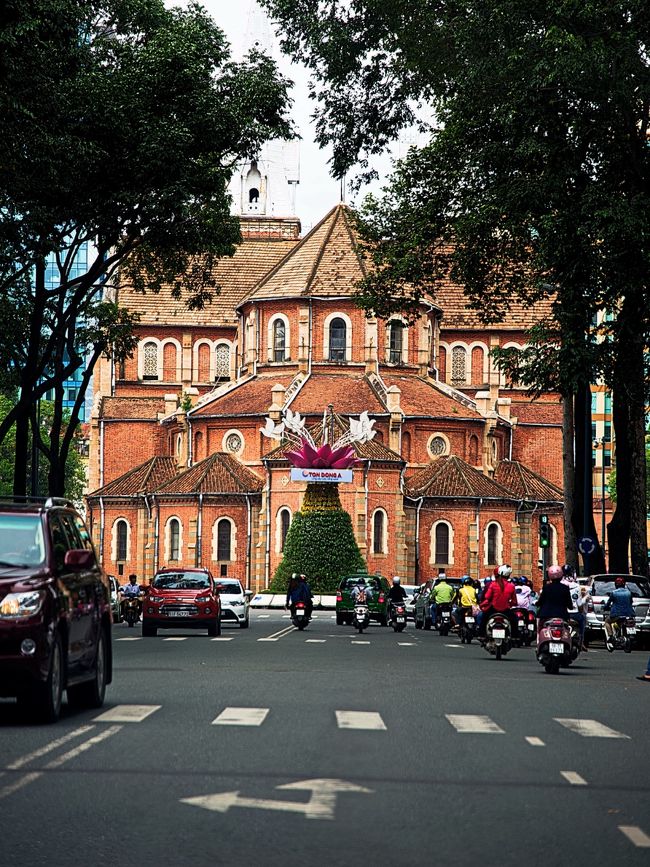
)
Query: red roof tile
[
  {"x": 143, "y": 479},
  {"x": 220, "y": 473},
  {"x": 526, "y": 484},
  {"x": 451, "y": 477},
  {"x": 424, "y": 397},
  {"x": 132, "y": 407},
  {"x": 251, "y": 397},
  {"x": 350, "y": 393}
]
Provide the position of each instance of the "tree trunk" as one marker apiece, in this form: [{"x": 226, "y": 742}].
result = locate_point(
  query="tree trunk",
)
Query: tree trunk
[
  {"x": 618, "y": 529},
  {"x": 583, "y": 507},
  {"x": 569, "y": 476},
  {"x": 21, "y": 455}
]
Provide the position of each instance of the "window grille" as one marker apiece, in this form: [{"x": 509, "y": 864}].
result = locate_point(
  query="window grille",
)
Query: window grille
[
  {"x": 150, "y": 361},
  {"x": 234, "y": 443},
  {"x": 458, "y": 365},
  {"x": 222, "y": 362},
  {"x": 437, "y": 446}
]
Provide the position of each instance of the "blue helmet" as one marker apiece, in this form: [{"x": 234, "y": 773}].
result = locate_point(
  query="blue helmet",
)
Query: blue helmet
[{"x": 466, "y": 579}]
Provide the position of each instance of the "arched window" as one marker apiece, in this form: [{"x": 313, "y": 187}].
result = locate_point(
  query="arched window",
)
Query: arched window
[
  {"x": 406, "y": 446},
  {"x": 122, "y": 533},
  {"x": 441, "y": 538},
  {"x": 174, "y": 539},
  {"x": 473, "y": 450},
  {"x": 338, "y": 336},
  {"x": 458, "y": 365},
  {"x": 204, "y": 362},
  {"x": 442, "y": 364},
  {"x": 493, "y": 543},
  {"x": 279, "y": 340},
  {"x": 283, "y": 528},
  {"x": 169, "y": 362},
  {"x": 221, "y": 362},
  {"x": 198, "y": 446},
  {"x": 478, "y": 363},
  {"x": 150, "y": 361},
  {"x": 395, "y": 340},
  {"x": 224, "y": 539},
  {"x": 379, "y": 532}
]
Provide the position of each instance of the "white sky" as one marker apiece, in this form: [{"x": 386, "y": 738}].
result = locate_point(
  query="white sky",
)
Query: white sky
[{"x": 317, "y": 192}]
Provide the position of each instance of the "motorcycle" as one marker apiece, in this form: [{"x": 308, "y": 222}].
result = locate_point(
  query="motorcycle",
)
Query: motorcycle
[
  {"x": 131, "y": 609},
  {"x": 300, "y": 616},
  {"x": 398, "y": 616},
  {"x": 498, "y": 635},
  {"x": 623, "y": 631},
  {"x": 443, "y": 618},
  {"x": 361, "y": 617},
  {"x": 467, "y": 627},
  {"x": 524, "y": 627},
  {"x": 555, "y": 646}
]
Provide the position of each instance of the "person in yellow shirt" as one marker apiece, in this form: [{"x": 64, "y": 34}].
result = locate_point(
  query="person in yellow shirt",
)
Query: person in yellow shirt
[{"x": 466, "y": 599}]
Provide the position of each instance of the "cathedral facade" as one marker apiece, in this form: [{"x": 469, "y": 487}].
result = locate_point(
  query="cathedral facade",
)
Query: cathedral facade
[{"x": 460, "y": 470}]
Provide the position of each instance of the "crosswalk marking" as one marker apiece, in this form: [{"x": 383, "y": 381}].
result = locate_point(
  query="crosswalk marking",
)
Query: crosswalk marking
[
  {"x": 474, "y": 724},
  {"x": 223, "y": 638},
  {"x": 130, "y": 638},
  {"x": 134, "y": 713},
  {"x": 358, "y": 719},
  {"x": 455, "y": 646},
  {"x": 635, "y": 835},
  {"x": 406, "y": 644},
  {"x": 241, "y": 716},
  {"x": 574, "y": 778},
  {"x": 176, "y": 638},
  {"x": 589, "y": 728},
  {"x": 354, "y": 641},
  {"x": 315, "y": 641},
  {"x": 535, "y": 742}
]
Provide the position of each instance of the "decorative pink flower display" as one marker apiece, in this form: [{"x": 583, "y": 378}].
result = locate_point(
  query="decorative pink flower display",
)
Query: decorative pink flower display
[{"x": 323, "y": 457}]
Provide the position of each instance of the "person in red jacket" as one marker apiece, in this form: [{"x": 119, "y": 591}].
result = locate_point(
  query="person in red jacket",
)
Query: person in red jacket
[{"x": 500, "y": 596}]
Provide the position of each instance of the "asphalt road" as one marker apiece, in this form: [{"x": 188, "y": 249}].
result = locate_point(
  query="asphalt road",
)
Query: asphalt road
[{"x": 411, "y": 785}]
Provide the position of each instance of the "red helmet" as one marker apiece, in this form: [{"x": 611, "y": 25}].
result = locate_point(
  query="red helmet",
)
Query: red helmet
[
  {"x": 554, "y": 573},
  {"x": 619, "y": 581}
]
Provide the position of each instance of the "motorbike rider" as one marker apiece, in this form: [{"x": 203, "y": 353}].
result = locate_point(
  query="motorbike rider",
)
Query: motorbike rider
[
  {"x": 619, "y": 604},
  {"x": 524, "y": 593},
  {"x": 555, "y": 599},
  {"x": 361, "y": 592},
  {"x": 130, "y": 591},
  {"x": 441, "y": 594},
  {"x": 499, "y": 596},
  {"x": 397, "y": 593},
  {"x": 299, "y": 591},
  {"x": 467, "y": 600},
  {"x": 577, "y": 610}
]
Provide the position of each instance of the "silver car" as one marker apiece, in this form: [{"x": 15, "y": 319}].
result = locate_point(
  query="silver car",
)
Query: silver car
[
  {"x": 115, "y": 599},
  {"x": 235, "y": 602},
  {"x": 411, "y": 590},
  {"x": 600, "y": 586}
]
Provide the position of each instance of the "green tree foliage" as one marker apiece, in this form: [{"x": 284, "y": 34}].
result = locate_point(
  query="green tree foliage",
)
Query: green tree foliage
[
  {"x": 534, "y": 181},
  {"x": 120, "y": 124},
  {"x": 320, "y": 543}
]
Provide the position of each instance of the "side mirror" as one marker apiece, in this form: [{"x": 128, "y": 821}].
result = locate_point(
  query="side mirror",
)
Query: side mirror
[
  {"x": 79, "y": 559},
  {"x": 249, "y": 593},
  {"x": 219, "y": 588}
]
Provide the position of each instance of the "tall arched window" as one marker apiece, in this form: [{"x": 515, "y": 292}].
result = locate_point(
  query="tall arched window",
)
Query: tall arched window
[
  {"x": 379, "y": 532},
  {"x": 458, "y": 365},
  {"x": 122, "y": 533},
  {"x": 204, "y": 362},
  {"x": 198, "y": 446},
  {"x": 169, "y": 362},
  {"x": 337, "y": 339},
  {"x": 285, "y": 521},
  {"x": 406, "y": 446},
  {"x": 473, "y": 450},
  {"x": 222, "y": 362},
  {"x": 174, "y": 539},
  {"x": 441, "y": 554},
  {"x": 224, "y": 539},
  {"x": 150, "y": 361},
  {"x": 493, "y": 533},
  {"x": 279, "y": 340},
  {"x": 395, "y": 341}
]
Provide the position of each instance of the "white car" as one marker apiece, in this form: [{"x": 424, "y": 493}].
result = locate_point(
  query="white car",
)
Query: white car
[
  {"x": 411, "y": 590},
  {"x": 235, "y": 602}
]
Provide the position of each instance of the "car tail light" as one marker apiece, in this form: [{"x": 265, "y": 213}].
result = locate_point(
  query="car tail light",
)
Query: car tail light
[
  {"x": 339, "y": 596},
  {"x": 520, "y": 615},
  {"x": 381, "y": 598}
]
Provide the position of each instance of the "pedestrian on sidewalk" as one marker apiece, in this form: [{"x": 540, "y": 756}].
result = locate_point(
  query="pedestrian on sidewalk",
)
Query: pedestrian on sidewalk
[{"x": 645, "y": 676}]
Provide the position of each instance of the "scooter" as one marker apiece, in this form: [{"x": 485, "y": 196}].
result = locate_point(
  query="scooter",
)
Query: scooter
[
  {"x": 443, "y": 618},
  {"x": 554, "y": 645},
  {"x": 498, "y": 635},
  {"x": 131, "y": 610},
  {"x": 361, "y": 617},
  {"x": 300, "y": 616},
  {"x": 524, "y": 628},
  {"x": 623, "y": 631},
  {"x": 398, "y": 616},
  {"x": 467, "y": 628}
]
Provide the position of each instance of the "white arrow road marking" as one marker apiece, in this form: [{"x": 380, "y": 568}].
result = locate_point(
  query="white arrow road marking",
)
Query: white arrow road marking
[
  {"x": 589, "y": 728},
  {"x": 473, "y": 724},
  {"x": 321, "y": 805}
]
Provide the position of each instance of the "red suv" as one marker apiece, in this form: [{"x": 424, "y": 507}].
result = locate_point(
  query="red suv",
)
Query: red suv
[
  {"x": 55, "y": 611},
  {"x": 181, "y": 599}
]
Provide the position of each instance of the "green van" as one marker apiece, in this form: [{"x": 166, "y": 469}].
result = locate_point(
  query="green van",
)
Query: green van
[{"x": 377, "y": 605}]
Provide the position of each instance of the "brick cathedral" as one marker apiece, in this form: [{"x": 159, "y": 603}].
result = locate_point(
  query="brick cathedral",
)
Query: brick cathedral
[{"x": 463, "y": 463}]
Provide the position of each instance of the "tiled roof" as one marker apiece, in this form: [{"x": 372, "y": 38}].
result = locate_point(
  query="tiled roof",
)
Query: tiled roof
[
  {"x": 452, "y": 477},
  {"x": 538, "y": 412},
  {"x": 423, "y": 397},
  {"x": 373, "y": 450},
  {"x": 220, "y": 473},
  {"x": 252, "y": 397},
  {"x": 145, "y": 479},
  {"x": 350, "y": 393},
  {"x": 525, "y": 483},
  {"x": 132, "y": 407},
  {"x": 326, "y": 262},
  {"x": 234, "y": 276}
]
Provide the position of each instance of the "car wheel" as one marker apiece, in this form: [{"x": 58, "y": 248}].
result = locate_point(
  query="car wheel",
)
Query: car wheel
[
  {"x": 92, "y": 694},
  {"x": 243, "y": 624},
  {"x": 339, "y": 620},
  {"x": 43, "y": 702},
  {"x": 214, "y": 629},
  {"x": 149, "y": 631},
  {"x": 427, "y": 623}
]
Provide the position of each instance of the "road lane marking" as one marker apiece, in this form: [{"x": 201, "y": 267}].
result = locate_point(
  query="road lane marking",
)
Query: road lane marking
[
  {"x": 223, "y": 638},
  {"x": 359, "y": 719},
  {"x": 20, "y": 783},
  {"x": 176, "y": 638},
  {"x": 241, "y": 716},
  {"x": 315, "y": 641},
  {"x": 406, "y": 644},
  {"x": 276, "y": 636},
  {"x": 455, "y": 645},
  {"x": 535, "y": 742},
  {"x": 128, "y": 713},
  {"x": 635, "y": 835},
  {"x": 589, "y": 728},
  {"x": 52, "y": 745},
  {"x": 474, "y": 724},
  {"x": 130, "y": 638},
  {"x": 263, "y": 616},
  {"x": 574, "y": 778},
  {"x": 356, "y": 641}
]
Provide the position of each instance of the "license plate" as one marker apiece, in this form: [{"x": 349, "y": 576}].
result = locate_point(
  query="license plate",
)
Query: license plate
[
  {"x": 498, "y": 633},
  {"x": 300, "y": 612},
  {"x": 556, "y": 648},
  {"x": 531, "y": 627},
  {"x": 469, "y": 620},
  {"x": 631, "y": 630},
  {"x": 181, "y": 614},
  {"x": 400, "y": 620}
]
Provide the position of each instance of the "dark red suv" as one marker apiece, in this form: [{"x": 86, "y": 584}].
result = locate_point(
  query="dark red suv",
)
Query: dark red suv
[
  {"x": 182, "y": 599},
  {"x": 55, "y": 615}
]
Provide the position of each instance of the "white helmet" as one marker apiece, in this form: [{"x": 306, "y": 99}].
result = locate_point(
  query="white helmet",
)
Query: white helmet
[
  {"x": 396, "y": 579},
  {"x": 505, "y": 571}
]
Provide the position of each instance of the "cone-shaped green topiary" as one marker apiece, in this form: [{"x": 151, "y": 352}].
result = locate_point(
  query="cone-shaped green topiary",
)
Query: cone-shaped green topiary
[{"x": 320, "y": 542}]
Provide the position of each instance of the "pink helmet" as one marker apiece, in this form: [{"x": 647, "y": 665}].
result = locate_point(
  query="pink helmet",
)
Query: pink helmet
[{"x": 554, "y": 573}]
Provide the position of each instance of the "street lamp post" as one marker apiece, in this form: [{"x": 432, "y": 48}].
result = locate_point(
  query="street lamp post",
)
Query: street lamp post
[{"x": 602, "y": 441}]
